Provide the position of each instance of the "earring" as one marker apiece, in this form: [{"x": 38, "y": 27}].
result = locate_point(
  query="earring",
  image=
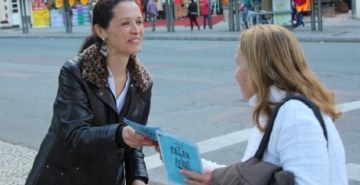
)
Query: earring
[{"x": 104, "y": 49}]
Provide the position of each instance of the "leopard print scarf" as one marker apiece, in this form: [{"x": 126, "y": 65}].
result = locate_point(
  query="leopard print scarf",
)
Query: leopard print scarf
[{"x": 95, "y": 71}]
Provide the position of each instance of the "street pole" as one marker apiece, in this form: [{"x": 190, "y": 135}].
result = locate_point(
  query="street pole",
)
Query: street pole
[
  {"x": 320, "y": 25},
  {"x": 237, "y": 15},
  {"x": 24, "y": 20},
  {"x": 231, "y": 16},
  {"x": 167, "y": 14},
  {"x": 67, "y": 16},
  {"x": 171, "y": 12},
  {"x": 353, "y": 9},
  {"x": 312, "y": 5},
  {"x": 210, "y": 14}
]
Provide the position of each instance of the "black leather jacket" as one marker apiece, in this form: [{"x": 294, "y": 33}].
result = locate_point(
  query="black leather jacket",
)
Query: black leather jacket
[{"x": 80, "y": 147}]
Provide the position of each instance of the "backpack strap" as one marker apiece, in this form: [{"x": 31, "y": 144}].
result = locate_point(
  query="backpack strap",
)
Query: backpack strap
[{"x": 264, "y": 142}]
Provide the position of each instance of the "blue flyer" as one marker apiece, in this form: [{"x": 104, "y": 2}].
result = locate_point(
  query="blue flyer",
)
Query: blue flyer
[
  {"x": 149, "y": 132},
  {"x": 178, "y": 153}
]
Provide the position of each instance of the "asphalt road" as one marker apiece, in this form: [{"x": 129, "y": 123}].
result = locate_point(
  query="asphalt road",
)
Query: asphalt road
[{"x": 194, "y": 95}]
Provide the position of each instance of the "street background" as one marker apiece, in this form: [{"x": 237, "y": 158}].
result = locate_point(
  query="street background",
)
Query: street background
[
  {"x": 338, "y": 28},
  {"x": 194, "y": 95}
]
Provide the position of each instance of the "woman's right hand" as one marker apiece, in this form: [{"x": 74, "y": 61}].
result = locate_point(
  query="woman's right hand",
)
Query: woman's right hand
[
  {"x": 135, "y": 140},
  {"x": 194, "y": 178}
]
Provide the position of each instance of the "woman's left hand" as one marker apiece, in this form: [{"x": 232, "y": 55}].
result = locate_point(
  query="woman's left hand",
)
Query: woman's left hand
[
  {"x": 137, "y": 182},
  {"x": 193, "y": 178}
]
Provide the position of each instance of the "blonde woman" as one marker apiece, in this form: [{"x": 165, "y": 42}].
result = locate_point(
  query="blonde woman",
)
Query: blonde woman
[{"x": 270, "y": 67}]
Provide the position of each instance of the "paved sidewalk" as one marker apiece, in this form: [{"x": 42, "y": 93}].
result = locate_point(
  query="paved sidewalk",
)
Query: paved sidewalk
[
  {"x": 339, "y": 28},
  {"x": 15, "y": 162}
]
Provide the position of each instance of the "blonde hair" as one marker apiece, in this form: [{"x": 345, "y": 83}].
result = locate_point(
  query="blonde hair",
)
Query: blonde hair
[{"x": 275, "y": 58}]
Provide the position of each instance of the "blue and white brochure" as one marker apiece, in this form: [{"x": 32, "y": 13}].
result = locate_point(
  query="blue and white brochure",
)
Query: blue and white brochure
[
  {"x": 178, "y": 153},
  {"x": 149, "y": 132}
]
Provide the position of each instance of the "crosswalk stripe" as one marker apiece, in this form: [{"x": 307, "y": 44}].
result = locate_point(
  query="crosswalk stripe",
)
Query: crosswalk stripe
[
  {"x": 223, "y": 141},
  {"x": 353, "y": 171},
  {"x": 153, "y": 161},
  {"x": 345, "y": 107}
]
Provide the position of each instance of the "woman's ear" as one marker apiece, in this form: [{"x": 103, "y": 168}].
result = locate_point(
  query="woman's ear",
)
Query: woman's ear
[{"x": 99, "y": 31}]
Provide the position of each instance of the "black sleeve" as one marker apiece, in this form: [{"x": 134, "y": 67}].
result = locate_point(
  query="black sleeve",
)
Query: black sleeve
[
  {"x": 135, "y": 167},
  {"x": 73, "y": 117}
]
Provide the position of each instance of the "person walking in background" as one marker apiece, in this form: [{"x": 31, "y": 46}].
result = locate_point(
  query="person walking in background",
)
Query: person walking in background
[
  {"x": 245, "y": 6},
  {"x": 270, "y": 67},
  {"x": 145, "y": 11},
  {"x": 204, "y": 10},
  {"x": 71, "y": 15},
  {"x": 193, "y": 14},
  {"x": 152, "y": 13},
  {"x": 301, "y": 6},
  {"x": 349, "y": 3},
  {"x": 160, "y": 9},
  {"x": 87, "y": 142},
  {"x": 178, "y": 7}
]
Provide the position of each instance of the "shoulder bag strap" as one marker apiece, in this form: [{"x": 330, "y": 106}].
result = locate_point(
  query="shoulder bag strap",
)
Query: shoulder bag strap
[{"x": 264, "y": 142}]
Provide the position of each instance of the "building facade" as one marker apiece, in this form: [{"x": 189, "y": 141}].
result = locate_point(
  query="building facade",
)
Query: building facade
[{"x": 10, "y": 12}]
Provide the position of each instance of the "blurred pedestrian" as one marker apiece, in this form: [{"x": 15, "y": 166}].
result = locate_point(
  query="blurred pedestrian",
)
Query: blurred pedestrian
[
  {"x": 152, "y": 13},
  {"x": 301, "y": 6},
  {"x": 178, "y": 7},
  {"x": 71, "y": 15},
  {"x": 193, "y": 14},
  {"x": 349, "y": 3},
  {"x": 270, "y": 67},
  {"x": 204, "y": 10},
  {"x": 145, "y": 11},
  {"x": 87, "y": 142},
  {"x": 245, "y": 7}
]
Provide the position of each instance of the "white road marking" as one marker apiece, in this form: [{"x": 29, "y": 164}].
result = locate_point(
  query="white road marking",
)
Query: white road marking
[
  {"x": 345, "y": 107},
  {"x": 153, "y": 161},
  {"x": 353, "y": 171},
  {"x": 222, "y": 141}
]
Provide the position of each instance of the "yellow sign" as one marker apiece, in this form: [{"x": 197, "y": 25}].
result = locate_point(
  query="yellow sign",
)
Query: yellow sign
[
  {"x": 41, "y": 18},
  {"x": 71, "y": 3},
  {"x": 84, "y": 2},
  {"x": 59, "y": 3}
]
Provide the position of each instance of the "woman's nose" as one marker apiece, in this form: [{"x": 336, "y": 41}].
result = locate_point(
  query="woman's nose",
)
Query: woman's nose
[{"x": 135, "y": 28}]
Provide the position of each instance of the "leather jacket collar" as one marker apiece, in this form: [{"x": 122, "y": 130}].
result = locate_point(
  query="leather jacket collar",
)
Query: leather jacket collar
[{"x": 94, "y": 69}]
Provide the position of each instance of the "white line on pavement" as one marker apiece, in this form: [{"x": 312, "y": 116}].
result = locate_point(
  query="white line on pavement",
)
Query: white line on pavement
[
  {"x": 153, "y": 161},
  {"x": 353, "y": 171},
  {"x": 345, "y": 107},
  {"x": 223, "y": 141}
]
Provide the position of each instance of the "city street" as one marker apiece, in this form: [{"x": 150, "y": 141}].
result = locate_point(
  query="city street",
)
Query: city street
[{"x": 195, "y": 96}]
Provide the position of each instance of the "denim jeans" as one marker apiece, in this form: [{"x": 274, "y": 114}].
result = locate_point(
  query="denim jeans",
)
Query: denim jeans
[{"x": 152, "y": 19}]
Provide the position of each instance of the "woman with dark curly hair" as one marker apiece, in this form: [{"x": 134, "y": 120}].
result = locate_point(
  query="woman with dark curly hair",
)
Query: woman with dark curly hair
[{"x": 87, "y": 142}]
